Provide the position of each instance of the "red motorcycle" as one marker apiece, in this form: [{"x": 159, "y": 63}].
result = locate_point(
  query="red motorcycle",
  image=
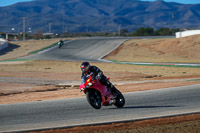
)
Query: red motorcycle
[{"x": 98, "y": 95}]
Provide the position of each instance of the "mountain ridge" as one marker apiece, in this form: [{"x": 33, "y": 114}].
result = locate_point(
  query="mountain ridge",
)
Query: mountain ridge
[{"x": 98, "y": 15}]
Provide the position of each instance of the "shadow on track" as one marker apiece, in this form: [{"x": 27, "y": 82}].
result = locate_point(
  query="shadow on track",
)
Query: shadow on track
[
  {"x": 145, "y": 107},
  {"x": 10, "y": 48}
]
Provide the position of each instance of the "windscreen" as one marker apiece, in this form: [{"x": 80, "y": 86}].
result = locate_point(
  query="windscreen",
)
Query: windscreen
[{"x": 84, "y": 79}]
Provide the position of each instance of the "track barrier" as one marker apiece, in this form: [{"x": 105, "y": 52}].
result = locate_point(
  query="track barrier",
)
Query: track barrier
[{"x": 3, "y": 43}]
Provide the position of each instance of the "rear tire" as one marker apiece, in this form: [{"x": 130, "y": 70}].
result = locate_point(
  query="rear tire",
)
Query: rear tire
[
  {"x": 94, "y": 98},
  {"x": 120, "y": 100}
]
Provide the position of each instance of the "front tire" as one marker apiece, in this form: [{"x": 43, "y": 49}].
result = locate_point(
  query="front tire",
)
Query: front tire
[
  {"x": 94, "y": 98},
  {"x": 60, "y": 45},
  {"x": 120, "y": 100}
]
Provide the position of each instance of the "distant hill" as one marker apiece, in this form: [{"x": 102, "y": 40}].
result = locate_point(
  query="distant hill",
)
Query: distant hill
[{"x": 98, "y": 15}]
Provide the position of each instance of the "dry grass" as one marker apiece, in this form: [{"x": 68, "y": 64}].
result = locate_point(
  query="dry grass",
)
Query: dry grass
[
  {"x": 73, "y": 67},
  {"x": 159, "y": 50},
  {"x": 179, "y": 124},
  {"x": 22, "y": 48}
]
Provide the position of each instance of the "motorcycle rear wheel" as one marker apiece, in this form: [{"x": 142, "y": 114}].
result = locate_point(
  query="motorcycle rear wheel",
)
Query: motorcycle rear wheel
[
  {"x": 94, "y": 98},
  {"x": 120, "y": 100}
]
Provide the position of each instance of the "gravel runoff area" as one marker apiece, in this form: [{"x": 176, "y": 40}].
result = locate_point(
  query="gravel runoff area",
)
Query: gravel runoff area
[{"x": 53, "y": 73}]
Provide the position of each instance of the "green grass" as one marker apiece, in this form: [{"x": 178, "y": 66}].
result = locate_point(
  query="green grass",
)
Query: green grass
[
  {"x": 164, "y": 65},
  {"x": 194, "y": 80},
  {"x": 35, "y": 52},
  {"x": 17, "y": 59}
]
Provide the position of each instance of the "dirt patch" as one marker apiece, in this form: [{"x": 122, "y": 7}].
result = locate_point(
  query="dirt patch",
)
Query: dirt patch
[
  {"x": 159, "y": 50},
  {"x": 74, "y": 67},
  {"x": 12, "y": 92},
  {"x": 22, "y": 48},
  {"x": 178, "y": 124},
  {"x": 69, "y": 71},
  {"x": 18, "y": 93}
]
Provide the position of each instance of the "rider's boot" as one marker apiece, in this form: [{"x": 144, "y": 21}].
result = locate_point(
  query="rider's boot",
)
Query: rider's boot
[
  {"x": 114, "y": 91},
  {"x": 111, "y": 87}
]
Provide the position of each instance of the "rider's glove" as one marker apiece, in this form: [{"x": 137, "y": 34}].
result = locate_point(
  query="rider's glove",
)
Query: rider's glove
[{"x": 92, "y": 78}]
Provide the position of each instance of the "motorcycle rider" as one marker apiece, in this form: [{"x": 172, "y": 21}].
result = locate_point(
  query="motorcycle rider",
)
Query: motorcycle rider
[
  {"x": 97, "y": 74},
  {"x": 61, "y": 43}
]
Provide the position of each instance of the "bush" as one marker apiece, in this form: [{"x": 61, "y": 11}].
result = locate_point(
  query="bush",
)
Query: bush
[
  {"x": 150, "y": 32},
  {"x": 144, "y": 32}
]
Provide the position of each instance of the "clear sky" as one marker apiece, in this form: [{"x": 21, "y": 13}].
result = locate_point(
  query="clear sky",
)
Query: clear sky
[
  {"x": 10, "y": 2},
  {"x": 180, "y": 1}
]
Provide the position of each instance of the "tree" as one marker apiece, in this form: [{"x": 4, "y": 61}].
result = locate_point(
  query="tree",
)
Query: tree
[
  {"x": 163, "y": 32},
  {"x": 123, "y": 32},
  {"x": 166, "y": 31},
  {"x": 39, "y": 34},
  {"x": 144, "y": 32}
]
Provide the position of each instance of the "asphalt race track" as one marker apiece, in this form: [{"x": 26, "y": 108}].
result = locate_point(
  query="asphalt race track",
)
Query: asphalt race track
[
  {"x": 76, "y": 111},
  {"x": 92, "y": 49}
]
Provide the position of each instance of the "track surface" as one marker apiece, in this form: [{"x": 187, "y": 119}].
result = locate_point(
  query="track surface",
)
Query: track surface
[
  {"x": 81, "y": 50},
  {"x": 70, "y": 112}
]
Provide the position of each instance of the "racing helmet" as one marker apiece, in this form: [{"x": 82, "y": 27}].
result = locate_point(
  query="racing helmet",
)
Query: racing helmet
[{"x": 85, "y": 67}]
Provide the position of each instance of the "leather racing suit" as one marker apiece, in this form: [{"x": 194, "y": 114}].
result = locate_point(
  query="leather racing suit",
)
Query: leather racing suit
[{"x": 98, "y": 74}]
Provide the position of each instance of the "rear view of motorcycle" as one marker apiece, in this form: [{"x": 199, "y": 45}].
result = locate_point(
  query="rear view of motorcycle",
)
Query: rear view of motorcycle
[{"x": 98, "y": 95}]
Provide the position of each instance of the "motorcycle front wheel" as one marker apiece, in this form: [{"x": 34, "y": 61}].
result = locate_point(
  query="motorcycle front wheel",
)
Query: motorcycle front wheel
[{"x": 94, "y": 98}]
